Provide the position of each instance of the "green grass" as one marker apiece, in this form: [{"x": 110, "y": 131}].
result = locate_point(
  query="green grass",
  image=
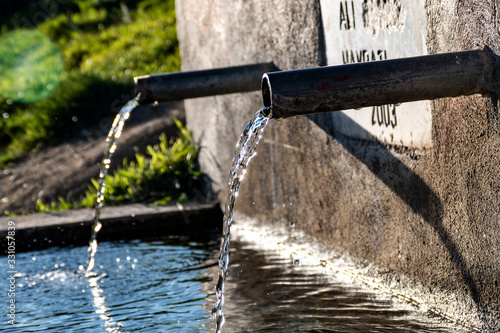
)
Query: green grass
[
  {"x": 167, "y": 172},
  {"x": 103, "y": 45}
]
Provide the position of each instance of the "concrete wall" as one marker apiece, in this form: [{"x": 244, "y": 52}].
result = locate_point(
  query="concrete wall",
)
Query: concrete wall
[{"x": 431, "y": 214}]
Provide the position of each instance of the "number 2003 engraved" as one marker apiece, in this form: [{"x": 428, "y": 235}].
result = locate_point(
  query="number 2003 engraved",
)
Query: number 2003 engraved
[{"x": 385, "y": 115}]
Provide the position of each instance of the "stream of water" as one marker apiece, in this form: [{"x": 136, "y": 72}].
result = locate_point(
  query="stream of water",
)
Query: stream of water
[
  {"x": 113, "y": 135},
  {"x": 245, "y": 151},
  {"x": 93, "y": 278}
]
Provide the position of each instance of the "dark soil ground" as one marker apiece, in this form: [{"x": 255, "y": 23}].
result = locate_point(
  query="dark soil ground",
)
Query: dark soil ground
[{"x": 67, "y": 169}]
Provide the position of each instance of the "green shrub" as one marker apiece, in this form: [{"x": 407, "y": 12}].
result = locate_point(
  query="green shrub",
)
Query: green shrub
[{"x": 168, "y": 172}]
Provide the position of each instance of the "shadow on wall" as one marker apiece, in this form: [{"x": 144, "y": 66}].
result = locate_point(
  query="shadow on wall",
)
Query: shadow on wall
[{"x": 409, "y": 186}]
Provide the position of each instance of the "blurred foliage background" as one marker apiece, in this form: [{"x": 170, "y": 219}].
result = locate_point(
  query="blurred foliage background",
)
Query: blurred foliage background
[
  {"x": 103, "y": 45},
  {"x": 65, "y": 65}
]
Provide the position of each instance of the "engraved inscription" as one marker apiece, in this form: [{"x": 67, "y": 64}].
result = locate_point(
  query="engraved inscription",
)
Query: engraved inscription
[
  {"x": 347, "y": 15},
  {"x": 373, "y": 30},
  {"x": 383, "y": 15},
  {"x": 355, "y": 56},
  {"x": 385, "y": 115}
]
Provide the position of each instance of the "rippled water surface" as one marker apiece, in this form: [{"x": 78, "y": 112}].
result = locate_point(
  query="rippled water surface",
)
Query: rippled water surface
[
  {"x": 141, "y": 287},
  {"x": 168, "y": 286}
]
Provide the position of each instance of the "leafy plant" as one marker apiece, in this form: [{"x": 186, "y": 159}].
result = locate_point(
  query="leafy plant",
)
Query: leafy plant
[{"x": 168, "y": 172}]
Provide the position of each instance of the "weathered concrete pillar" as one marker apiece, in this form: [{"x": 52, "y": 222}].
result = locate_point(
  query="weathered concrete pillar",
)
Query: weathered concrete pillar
[{"x": 413, "y": 188}]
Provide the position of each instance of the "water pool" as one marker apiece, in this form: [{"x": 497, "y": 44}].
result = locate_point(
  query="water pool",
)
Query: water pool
[
  {"x": 167, "y": 285},
  {"x": 142, "y": 286}
]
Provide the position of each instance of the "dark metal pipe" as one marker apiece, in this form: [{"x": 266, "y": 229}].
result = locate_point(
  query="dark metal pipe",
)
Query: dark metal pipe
[
  {"x": 334, "y": 88},
  {"x": 191, "y": 84}
]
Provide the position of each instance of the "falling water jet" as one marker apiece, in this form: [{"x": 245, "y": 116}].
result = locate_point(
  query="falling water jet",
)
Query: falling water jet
[
  {"x": 176, "y": 86},
  {"x": 245, "y": 151},
  {"x": 93, "y": 278},
  {"x": 113, "y": 135}
]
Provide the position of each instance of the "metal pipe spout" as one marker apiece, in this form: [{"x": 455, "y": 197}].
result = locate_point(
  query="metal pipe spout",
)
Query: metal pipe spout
[
  {"x": 334, "y": 88},
  {"x": 191, "y": 84}
]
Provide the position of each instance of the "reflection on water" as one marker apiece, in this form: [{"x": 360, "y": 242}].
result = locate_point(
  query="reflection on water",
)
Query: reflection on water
[
  {"x": 270, "y": 292},
  {"x": 100, "y": 304}
]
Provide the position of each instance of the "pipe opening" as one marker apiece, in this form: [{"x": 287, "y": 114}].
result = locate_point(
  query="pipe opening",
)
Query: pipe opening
[
  {"x": 142, "y": 89},
  {"x": 266, "y": 91}
]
